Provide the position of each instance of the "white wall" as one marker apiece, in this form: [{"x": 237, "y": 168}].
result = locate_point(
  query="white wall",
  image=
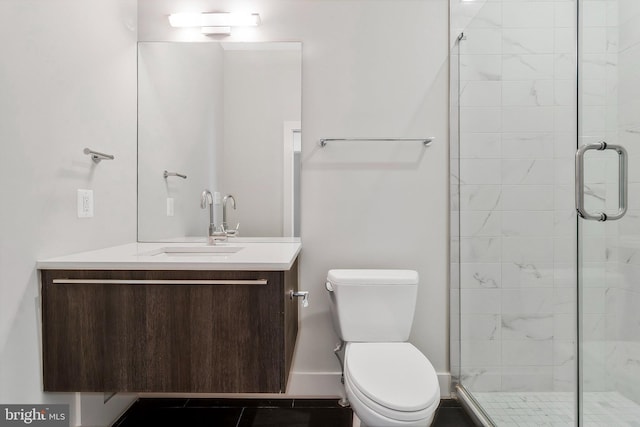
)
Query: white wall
[
  {"x": 67, "y": 81},
  {"x": 370, "y": 68}
]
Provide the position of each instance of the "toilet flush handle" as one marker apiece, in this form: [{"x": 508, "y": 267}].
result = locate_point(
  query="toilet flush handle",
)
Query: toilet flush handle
[
  {"x": 300, "y": 294},
  {"x": 328, "y": 286}
]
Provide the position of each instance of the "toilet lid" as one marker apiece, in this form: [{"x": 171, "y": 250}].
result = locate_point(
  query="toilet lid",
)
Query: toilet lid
[
  {"x": 395, "y": 375},
  {"x": 372, "y": 277}
]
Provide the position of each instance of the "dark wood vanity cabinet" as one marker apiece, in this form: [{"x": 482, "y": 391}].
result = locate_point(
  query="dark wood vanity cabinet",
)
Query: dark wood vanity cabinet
[{"x": 168, "y": 331}]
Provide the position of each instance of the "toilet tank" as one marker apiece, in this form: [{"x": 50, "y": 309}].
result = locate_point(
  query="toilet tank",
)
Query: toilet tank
[{"x": 372, "y": 305}]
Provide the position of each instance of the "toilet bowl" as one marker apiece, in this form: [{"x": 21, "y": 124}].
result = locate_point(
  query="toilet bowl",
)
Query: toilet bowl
[
  {"x": 390, "y": 384},
  {"x": 388, "y": 381}
]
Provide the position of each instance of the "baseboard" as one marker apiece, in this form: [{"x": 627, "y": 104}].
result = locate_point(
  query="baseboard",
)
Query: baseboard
[
  {"x": 444, "y": 379},
  {"x": 315, "y": 384}
]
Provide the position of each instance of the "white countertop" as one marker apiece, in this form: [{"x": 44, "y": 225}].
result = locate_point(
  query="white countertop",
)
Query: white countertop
[{"x": 273, "y": 254}]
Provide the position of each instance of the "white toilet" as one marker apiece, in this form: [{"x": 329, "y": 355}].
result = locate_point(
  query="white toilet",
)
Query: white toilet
[{"x": 388, "y": 381}]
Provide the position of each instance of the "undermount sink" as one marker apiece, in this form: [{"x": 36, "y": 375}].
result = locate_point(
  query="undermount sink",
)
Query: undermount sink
[{"x": 190, "y": 251}]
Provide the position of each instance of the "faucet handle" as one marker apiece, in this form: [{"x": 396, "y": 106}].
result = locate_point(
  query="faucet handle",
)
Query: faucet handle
[
  {"x": 218, "y": 235},
  {"x": 232, "y": 232}
]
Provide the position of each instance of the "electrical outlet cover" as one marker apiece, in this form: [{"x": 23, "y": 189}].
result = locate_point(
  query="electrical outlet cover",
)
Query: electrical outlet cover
[{"x": 85, "y": 203}]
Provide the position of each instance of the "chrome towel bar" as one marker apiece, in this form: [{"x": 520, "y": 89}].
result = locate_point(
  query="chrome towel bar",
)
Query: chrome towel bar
[{"x": 426, "y": 141}]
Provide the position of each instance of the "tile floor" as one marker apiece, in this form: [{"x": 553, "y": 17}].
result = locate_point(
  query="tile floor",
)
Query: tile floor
[
  {"x": 557, "y": 409},
  {"x": 451, "y": 414},
  {"x": 259, "y": 413}
]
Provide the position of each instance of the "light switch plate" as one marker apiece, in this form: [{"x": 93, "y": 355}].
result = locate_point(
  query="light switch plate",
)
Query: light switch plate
[{"x": 85, "y": 203}]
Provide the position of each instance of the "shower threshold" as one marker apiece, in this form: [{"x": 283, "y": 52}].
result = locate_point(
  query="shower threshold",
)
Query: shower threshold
[{"x": 557, "y": 409}]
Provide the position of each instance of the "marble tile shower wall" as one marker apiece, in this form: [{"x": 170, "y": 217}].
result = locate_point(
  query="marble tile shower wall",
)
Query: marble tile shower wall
[
  {"x": 600, "y": 121},
  {"x": 517, "y": 221},
  {"x": 616, "y": 344}
]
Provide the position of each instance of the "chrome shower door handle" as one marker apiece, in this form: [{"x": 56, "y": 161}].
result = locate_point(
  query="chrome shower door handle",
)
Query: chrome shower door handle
[{"x": 622, "y": 181}]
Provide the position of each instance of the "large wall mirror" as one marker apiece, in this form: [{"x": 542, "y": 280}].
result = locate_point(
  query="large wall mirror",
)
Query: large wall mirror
[{"x": 227, "y": 116}]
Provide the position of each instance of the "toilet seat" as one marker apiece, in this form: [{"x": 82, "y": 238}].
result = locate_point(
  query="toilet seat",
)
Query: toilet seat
[{"x": 393, "y": 379}]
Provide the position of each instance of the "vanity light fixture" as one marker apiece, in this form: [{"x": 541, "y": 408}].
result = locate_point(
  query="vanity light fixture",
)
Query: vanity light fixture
[{"x": 214, "y": 23}]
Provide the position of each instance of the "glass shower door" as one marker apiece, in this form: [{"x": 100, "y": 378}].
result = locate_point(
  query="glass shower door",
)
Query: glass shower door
[
  {"x": 608, "y": 193},
  {"x": 513, "y": 221}
]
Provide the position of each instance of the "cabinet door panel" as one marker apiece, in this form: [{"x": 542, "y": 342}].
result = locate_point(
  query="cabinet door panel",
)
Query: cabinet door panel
[
  {"x": 165, "y": 338},
  {"x": 74, "y": 361}
]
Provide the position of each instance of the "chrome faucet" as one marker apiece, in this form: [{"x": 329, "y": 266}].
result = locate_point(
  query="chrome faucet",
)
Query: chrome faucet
[
  {"x": 206, "y": 198},
  {"x": 225, "y": 226}
]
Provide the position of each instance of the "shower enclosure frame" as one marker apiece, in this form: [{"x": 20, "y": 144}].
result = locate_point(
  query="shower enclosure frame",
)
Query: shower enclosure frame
[
  {"x": 458, "y": 390},
  {"x": 473, "y": 408}
]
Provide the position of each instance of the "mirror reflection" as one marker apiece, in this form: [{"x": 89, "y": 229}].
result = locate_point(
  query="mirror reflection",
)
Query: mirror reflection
[{"x": 224, "y": 118}]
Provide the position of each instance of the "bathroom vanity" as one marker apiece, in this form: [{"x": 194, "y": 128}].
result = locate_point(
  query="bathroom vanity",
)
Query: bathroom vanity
[{"x": 160, "y": 317}]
